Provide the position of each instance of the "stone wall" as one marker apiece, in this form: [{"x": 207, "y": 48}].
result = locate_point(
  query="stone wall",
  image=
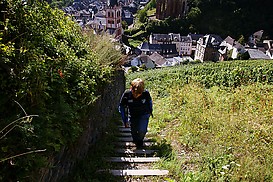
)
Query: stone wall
[
  {"x": 171, "y": 8},
  {"x": 101, "y": 113}
]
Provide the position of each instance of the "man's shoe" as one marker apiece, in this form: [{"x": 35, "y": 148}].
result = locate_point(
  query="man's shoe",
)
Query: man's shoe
[{"x": 139, "y": 144}]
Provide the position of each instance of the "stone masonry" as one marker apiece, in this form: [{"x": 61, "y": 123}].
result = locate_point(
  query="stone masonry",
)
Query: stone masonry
[{"x": 170, "y": 8}]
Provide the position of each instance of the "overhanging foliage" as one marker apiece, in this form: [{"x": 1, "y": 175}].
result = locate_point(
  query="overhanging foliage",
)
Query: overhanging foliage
[{"x": 48, "y": 66}]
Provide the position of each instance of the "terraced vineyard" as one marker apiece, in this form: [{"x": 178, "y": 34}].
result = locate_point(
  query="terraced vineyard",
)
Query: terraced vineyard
[{"x": 227, "y": 74}]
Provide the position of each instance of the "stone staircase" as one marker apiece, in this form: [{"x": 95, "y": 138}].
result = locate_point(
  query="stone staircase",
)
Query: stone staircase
[{"x": 132, "y": 161}]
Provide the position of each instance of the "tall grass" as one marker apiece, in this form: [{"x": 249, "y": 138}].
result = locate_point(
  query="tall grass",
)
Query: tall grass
[
  {"x": 229, "y": 129},
  {"x": 217, "y": 133}
]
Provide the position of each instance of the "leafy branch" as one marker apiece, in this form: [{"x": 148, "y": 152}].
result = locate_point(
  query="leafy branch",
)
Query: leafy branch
[
  {"x": 26, "y": 119},
  {"x": 12, "y": 125},
  {"x": 25, "y": 153}
]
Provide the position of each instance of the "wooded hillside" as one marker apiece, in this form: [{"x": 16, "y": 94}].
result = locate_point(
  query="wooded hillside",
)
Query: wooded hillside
[
  {"x": 231, "y": 17},
  {"x": 225, "y": 18}
]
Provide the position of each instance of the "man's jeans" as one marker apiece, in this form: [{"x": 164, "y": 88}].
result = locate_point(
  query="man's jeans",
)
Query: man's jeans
[{"x": 139, "y": 126}]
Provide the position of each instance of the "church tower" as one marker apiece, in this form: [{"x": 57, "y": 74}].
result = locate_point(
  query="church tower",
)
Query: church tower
[{"x": 113, "y": 19}]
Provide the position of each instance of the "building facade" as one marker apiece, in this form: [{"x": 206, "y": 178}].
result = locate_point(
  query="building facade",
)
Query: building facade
[
  {"x": 185, "y": 46},
  {"x": 113, "y": 19},
  {"x": 207, "y": 48}
]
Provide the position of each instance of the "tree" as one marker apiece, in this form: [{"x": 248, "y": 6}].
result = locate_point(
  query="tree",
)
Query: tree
[
  {"x": 194, "y": 14},
  {"x": 142, "y": 16},
  {"x": 241, "y": 40},
  {"x": 243, "y": 56},
  {"x": 124, "y": 25},
  {"x": 151, "y": 4}
]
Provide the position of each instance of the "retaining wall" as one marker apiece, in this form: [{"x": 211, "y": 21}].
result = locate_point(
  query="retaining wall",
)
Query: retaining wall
[{"x": 100, "y": 114}]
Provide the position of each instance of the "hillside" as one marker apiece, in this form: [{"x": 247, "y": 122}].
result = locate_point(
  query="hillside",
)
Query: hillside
[
  {"x": 217, "y": 119},
  {"x": 231, "y": 17},
  {"x": 55, "y": 79}
]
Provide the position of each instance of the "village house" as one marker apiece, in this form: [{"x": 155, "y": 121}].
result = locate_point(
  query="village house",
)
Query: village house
[
  {"x": 169, "y": 50},
  {"x": 176, "y": 38},
  {"x": 99, "y": 22},
  {"x": 128, "y": 17},
  {"x": 185, "y": 46},
  {"x": 194, "y": 39},
  {"x": 171, "y": 62},
  {"x": 148, "y": 49},
  {"x": 160, "y": 39},
  {"x": 183, "y": 43},
  {"x": 130, "y": 6},
  {"x": 158, "y": 59},
  {"x": 126, "y": 2},
  {"x": 269, "y": 48},
  {"x": 237, "y": 49},
  {"x": 166, "y": 50},
  {"x": 229, "y": 41},
  {"x": 256, "y": 54},
  {"x": 255, "y": 38},
  {"x": 225, "y": 48},
  {"x": 207, "y": 48},
  {"x": 143, "y": 60},
  {"x": 183, "y": 60}
]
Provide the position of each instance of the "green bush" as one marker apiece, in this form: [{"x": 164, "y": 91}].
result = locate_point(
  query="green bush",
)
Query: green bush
[
  {"x": 52, "y": 70},
  {"x": 142, "y": 15},
  {"x": 134, "y": 68}
]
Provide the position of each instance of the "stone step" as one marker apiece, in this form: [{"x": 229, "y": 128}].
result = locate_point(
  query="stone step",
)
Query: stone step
[
  {"x": 136, "y": 161},
  {"x": 124, "y": 134},
  {"x": 130, "y": 139},
  {"x": 123, "y": 129},
  {"x": 128, "y": 134},
  {"x": 131, "y": 144},
  {"x": 138, "y": 172},
  {"x": 133, "y": 159},
  {"x": 137, "y": 151}
]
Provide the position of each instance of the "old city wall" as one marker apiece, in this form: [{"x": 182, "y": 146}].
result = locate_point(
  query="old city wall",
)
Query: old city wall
[
  {"x": 101, "y": 113},
  {"x": 170, "y": 8}
]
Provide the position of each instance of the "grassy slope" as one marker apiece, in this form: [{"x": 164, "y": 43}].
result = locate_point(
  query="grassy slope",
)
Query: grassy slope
[{"x": 216, "y": 132}]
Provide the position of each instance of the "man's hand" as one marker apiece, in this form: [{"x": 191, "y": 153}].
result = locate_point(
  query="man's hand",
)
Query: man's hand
[{"x": 126, "y": 125}]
